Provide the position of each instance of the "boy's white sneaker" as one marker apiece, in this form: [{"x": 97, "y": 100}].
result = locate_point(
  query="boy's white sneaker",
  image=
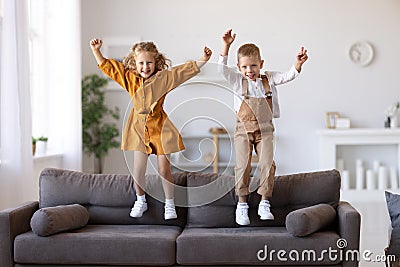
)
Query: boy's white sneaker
[
  {"x": 170, "y": 212},
  {"x": 242, "y": 214},
  {"x": 264, "y": 210},
  {"x": 138, "y": 209}
]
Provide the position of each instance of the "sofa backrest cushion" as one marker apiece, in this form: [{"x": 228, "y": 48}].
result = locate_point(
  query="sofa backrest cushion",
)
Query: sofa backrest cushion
[
  {"x": 109, "y": 197},
  {"x": 291, "y": 192}
]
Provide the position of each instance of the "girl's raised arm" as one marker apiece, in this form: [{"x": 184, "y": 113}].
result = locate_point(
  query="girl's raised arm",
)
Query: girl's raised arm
[{"x": 95, "y": 44}]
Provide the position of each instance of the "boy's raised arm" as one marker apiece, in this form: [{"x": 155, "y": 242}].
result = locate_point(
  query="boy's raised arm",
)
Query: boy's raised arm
[{"x": 227, "y": 40}]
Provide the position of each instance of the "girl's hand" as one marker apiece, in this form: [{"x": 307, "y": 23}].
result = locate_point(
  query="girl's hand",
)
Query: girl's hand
[
  {"x": 302, "y": 56},
  {"x": 228, "y": 38},
  {"x": 206, "y": 54},
  {"x": 95, "y": 44}
]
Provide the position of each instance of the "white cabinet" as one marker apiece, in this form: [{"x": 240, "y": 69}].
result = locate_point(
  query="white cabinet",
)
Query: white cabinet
[{"x": 371, "y": 146}]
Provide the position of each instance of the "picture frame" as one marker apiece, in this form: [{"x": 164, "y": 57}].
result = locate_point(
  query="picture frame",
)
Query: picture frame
[
  {"x": 117, "y": 48},
  {"x": 331, "y": 118}
]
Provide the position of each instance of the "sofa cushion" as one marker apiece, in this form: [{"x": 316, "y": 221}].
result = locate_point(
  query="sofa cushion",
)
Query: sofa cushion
[
  {"x": 393, "y": 206},
  {"x": 305, "y": 221},
  {"x": 394, "y": 243},
  {"x": 101, "y": 245},
  {"x": 109, "y": 197},
  {"x": 51, "y": 220},
  {"x": 247, "y": 246},
  {"x": 212, "y": 200}
]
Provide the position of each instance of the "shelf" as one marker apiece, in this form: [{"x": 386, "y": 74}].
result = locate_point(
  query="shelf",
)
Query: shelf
[
  {"x": 370, "y": 146},
  {"x": 330, "y": 139}
]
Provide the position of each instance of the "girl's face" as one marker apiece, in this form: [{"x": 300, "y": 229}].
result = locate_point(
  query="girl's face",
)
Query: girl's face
[
  {"x": 145, "y": 64},
  {"x": 250, "y": 67}
]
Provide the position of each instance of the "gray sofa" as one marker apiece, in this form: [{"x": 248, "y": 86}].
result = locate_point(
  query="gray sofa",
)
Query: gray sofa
[{"x": 205, "y": 232}]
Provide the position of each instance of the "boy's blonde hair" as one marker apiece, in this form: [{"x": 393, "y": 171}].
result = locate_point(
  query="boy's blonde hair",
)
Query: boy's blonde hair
[
  {"x": 248, "y": 50},
  {"x": 161, "y": 61}
]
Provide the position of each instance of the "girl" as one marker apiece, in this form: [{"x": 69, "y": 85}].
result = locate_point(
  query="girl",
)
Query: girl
[{"x": 145, "y": 75}]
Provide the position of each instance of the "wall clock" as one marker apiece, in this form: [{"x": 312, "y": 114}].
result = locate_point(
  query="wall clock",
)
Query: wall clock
[{"x": 361, "y": 53}]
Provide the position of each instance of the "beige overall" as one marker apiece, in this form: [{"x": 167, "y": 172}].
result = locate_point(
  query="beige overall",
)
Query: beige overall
[{"x": 254, "y": 128}]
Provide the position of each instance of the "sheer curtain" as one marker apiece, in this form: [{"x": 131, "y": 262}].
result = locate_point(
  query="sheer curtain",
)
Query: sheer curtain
[
  {"x": 16, "y": 179},
  {"x": 60, "y": 86},
  {"x": 56, "y": 60}
]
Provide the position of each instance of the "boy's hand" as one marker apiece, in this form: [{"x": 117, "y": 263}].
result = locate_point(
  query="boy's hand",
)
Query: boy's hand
[
  {"x": 206, "y": 54},
  {"x": 302, "y": 56},
  {"x": 96, "y": 44},
  {"x": 228, "y": 38}
]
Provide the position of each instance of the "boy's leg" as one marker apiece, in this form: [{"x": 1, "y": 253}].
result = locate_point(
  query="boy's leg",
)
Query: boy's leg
[
  {"x": 243, "y": 150},
  {"x": 164, "y": 170},
  {"x": 139, "y": 177},
  {"x": 264, "y": 149}
]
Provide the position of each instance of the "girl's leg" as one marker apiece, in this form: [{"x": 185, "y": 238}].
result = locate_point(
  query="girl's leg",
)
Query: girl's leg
[
  {"x": 139, "y": 172},
  {"x": 164, "y": 170}
]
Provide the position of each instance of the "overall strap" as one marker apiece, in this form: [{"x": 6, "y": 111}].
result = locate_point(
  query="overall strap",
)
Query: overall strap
[
  {"x": 245, "y": 88},
  {"x": 268, "y": 93}
]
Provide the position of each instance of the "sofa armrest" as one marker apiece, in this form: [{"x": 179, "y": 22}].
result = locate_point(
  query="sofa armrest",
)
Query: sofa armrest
[
  {"x": 349, "y": 222},
  {"x": 14, "y": 221}
]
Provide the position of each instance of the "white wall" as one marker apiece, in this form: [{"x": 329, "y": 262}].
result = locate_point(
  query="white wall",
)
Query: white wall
[{"x": 329, "y": 81}]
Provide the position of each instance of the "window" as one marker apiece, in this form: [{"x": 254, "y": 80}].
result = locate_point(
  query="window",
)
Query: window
[
  {"x": 37, "y": 52},
  {"x": 55, "y": 77}
]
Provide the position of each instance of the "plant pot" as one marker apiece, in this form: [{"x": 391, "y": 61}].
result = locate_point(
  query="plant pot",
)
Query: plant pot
[
  {"x": 33, "y": 149},
  {"x": 41, "y": 147}
]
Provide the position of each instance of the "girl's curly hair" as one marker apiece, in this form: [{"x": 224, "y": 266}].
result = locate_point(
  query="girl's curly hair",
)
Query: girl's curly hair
[{"x": 161, "y": 61}]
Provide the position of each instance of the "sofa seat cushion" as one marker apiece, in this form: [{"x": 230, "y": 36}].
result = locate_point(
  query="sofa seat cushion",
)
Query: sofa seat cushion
[
  {"x": 101, "y": 244},
  {"x": 255, "y": 246}
]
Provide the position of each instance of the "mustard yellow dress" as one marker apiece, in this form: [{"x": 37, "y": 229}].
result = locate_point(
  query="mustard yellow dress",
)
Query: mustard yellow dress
[{"x": 148, "y": 128}]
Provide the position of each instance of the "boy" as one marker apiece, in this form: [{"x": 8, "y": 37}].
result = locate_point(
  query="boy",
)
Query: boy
[{"x": 255, "y": 103}]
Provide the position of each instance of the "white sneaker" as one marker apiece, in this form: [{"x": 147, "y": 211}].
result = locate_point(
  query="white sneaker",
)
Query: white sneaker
[
  {"x": 242, "y": 215},
  {"x": 264, "y": 211},
  {"x": 170, "y": 213},
  {"x": 138, "y": 209}
]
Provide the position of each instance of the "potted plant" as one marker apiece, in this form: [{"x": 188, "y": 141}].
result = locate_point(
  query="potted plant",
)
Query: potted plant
[
  {"x": 34, "y": 140},
  {"x": 41, "y": 145},
  {"x": 98, "y": 136}
]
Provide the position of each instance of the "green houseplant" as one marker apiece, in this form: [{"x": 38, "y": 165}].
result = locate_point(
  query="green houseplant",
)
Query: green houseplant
[
  {"x": 34, "y": 140},
  {"x": 98, "y": 136}
]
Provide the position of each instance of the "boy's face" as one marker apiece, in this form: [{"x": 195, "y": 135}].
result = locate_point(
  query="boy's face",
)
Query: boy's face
[
  {"x": 250, "y": 67},
  {"x": 145, "y": 64}
]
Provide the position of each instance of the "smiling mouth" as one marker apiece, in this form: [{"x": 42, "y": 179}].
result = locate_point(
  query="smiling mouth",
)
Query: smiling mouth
[{"x": 251, "y": 76}]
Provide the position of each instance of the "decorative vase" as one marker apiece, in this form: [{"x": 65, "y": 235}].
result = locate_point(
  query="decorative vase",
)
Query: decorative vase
[
  {"x": 393, "y": 122},
  {"x": 41, "y": 147}
]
